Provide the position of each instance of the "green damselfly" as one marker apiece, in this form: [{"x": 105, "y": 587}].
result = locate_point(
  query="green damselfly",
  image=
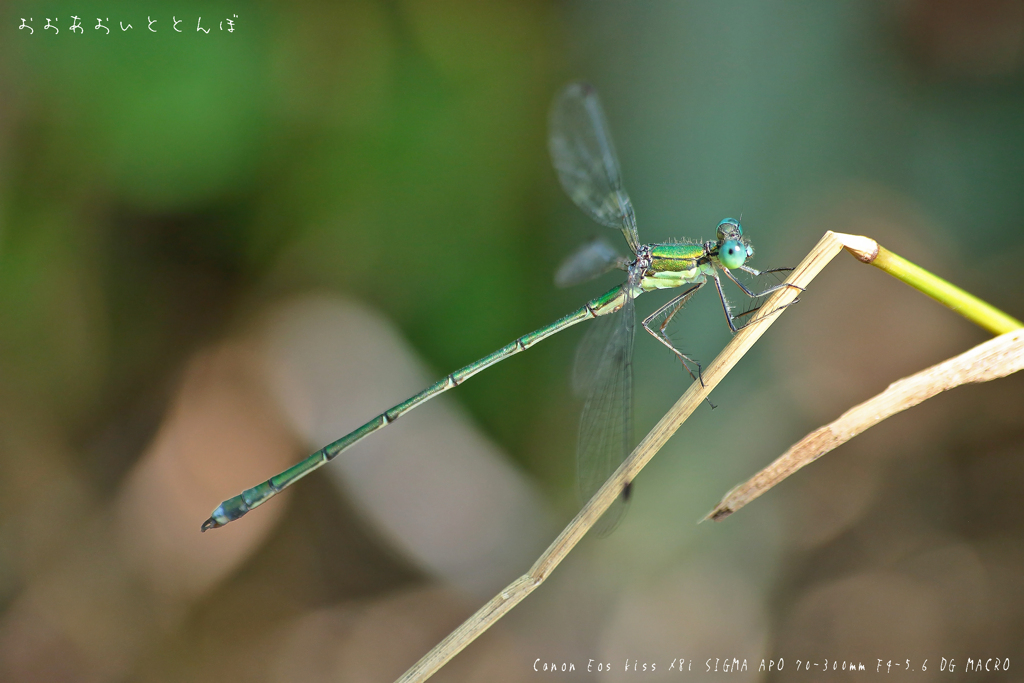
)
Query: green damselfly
[{"x": 588, "y": 169}]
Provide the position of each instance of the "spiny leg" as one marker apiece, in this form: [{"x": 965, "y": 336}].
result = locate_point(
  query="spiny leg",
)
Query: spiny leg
[
  {"x": 676, "y": 305},
  {"x": 752, "y": 271},
  {"x": 729, "y": 317},
  {"x": 672, "y": 314},
  {"x": 755, "y": 271},
  {"x": 725, "y": 302}
]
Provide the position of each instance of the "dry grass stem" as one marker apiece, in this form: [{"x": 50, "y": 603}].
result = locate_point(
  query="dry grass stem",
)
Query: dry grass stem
[
  {"x": 996, "y": 358},
  {"x": 826, "y": 249}
]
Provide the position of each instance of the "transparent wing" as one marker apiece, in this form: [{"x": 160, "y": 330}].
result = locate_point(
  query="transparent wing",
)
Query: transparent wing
[
  {"x": 585, "y": 160},
  {"x": 604, "y": 374},
  {"x": 592, "y": 259}
]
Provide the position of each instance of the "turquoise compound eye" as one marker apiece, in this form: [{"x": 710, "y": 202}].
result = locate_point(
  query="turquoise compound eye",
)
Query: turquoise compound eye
[{"x": 732, "y": 254}]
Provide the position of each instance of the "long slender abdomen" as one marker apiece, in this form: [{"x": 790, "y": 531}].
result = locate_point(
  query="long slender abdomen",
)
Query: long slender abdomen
[{"x": 233, "y": 508}]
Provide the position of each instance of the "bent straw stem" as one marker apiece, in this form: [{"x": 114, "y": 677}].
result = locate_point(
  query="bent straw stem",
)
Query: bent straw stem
[{"x": 996, "y": 358}]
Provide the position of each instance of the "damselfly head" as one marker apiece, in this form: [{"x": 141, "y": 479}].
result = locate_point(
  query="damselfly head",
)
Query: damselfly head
[
  {"x": 733, "y": 251},
  {"x": 729, "y": 229}
]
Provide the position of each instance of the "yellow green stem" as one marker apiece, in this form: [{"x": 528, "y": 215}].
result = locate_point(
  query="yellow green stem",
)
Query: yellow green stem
[{"x": 947, "y": 294}]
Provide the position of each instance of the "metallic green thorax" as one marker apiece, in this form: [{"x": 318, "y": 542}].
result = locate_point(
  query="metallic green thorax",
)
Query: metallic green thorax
[
  {"x": 668, "y": 266},
  {"x": 675, "y": 257},
  {"x": 674, "y": 265}
]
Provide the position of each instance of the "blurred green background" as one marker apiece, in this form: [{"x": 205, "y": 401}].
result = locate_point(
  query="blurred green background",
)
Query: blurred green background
[{"x": 159, "y": 192}]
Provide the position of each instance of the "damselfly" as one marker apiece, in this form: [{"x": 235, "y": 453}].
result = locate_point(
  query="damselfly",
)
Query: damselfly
[{"x": 588, "y": 169}]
